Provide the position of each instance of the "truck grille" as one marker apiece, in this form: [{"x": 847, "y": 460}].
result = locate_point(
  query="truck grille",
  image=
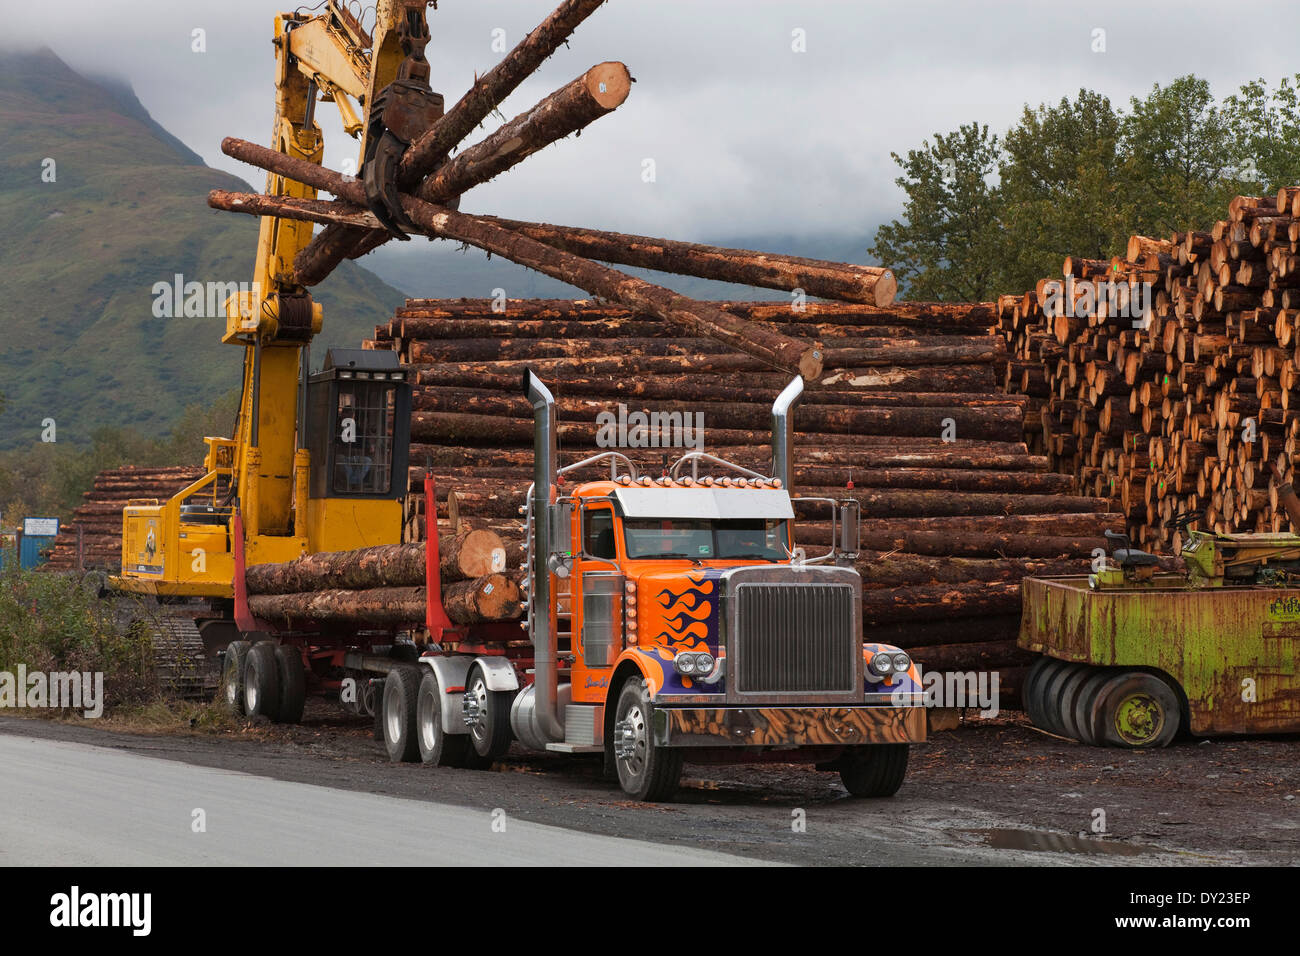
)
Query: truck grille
[{"x": 794, "y": 637}]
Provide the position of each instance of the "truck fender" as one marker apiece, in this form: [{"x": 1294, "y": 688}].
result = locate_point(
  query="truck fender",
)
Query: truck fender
[
  {"x": 650, "y": 666},
  {"x": 452, "y": 671}
]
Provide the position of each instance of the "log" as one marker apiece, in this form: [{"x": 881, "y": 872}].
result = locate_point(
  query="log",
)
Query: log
[
  {"x": 697, "y": 318},
  {"x": 470, "y": 554},
  {"x": 389, "y": 565},
  {"x": 493, "y": 597},
  {"x": 431, "y": 149},
  {"x": 828, "y": 280},
  {"x": 377, "y": 607}
]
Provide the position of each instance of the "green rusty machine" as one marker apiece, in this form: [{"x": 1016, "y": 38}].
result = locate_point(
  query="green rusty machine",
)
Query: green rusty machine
[{"x": 1133, "y": 654}]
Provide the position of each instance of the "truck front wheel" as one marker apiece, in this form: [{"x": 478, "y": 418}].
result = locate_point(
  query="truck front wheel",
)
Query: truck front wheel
[
  {"x": 645, "y": 771},
  {"x": 874, "y": 771}
]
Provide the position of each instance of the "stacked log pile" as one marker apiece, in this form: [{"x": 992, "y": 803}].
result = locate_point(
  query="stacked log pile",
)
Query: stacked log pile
[
  {"x": 949, "y": 527},
  {"x": 97, "y": 523},
  {"x": 1174, "y": 401},
  {"x": 384, "y": 586}
]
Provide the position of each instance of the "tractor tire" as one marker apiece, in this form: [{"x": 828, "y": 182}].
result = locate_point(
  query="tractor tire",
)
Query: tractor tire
[
  {"x": 1038, "y": 674},
  {"x": 293, "y": 683},
  {"x": 646, "y": 771},
  {"x": 232, "y": 676},
  {"x": 1051, "y": 697},
  {"x": 876, "y": 770},
  {"x": 490, "y": 737},
  {"x": 1139, "y": 711},
  {"x": 437, "y": 747},
  {"x": 262, "y": 682},
  {"x": 1070, "y": 694},
  {"x": 1085, "y": 702},
  {"x": 400, "y": 690}
]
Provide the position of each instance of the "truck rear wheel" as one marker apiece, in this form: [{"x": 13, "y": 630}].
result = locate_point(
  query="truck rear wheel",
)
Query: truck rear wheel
[
  {"x": 1139, "y": 711},
  {"x": 293, "y": 683},
  {"x": 488, "y": 714},
  {"x": 232, "y": 676},
  {"x": 874, "y": 771},
  {"x": 400, "y": 690},
  {"x": 262, "y": 682},
  {"x": 645, "y": 771},
  {"x": 437, "y": 747}
]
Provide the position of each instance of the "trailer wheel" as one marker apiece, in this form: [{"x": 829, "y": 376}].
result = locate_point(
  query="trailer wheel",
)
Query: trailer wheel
[
  {"x": 1069, "y": 696},
  {"x": 876, "y": 770},
  {"x": 262, "y": 682},
  {"x": 1139, "y": 711},
  {"x": 646, "y": 771},
  {"x": 1035, "y": 680},
  {"x": 488, "y": 714},
  {"x": 232, "y": 676},
  {"x": 400, "y": 690},
  {"x": 1085, "y": 702},
  {"x": 293, "y": 683},
  {"x": 1052, "y": 689},
  {"x": 374, "y": 686},
  {"x": 437, "y": 747}
]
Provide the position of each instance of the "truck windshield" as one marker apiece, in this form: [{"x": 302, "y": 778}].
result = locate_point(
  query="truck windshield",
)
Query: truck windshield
[{"x": 752, "y": 538}]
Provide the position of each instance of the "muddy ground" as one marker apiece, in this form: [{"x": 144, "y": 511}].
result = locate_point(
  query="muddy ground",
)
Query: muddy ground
[{"x": 994, "y": 791}]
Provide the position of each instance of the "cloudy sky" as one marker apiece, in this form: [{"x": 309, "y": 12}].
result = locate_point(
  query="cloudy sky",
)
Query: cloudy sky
[{"x": 748, "y": 136}]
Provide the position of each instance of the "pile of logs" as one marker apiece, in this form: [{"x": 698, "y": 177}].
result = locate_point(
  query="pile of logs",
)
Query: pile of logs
[
  {"x": 1177, "y": 400},
  {"x": 384, "y": 586},
  {"x": 949, "y": 527},
  {"x": 93, "y": 539}
]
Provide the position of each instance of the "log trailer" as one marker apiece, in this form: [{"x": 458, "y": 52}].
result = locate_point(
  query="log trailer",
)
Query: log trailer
[
  {"x": 668, "y": 619},
  {"x": 1132, "y": 655}
]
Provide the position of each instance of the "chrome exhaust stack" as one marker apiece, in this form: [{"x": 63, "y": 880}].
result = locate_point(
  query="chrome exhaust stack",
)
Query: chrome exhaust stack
[
  {"x": 783, "y": 431},
  {"x": 545, "y": 710}
]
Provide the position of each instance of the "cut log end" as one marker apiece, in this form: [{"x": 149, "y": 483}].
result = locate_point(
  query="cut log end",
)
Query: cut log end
[
  {"x": 811, "y": 363},
  {"x": 886, "y": 289},
  {"x": 609, "y": 84}
]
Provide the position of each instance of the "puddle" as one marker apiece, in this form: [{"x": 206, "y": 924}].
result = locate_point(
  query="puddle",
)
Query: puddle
[{"x": 1040, "y": 840}]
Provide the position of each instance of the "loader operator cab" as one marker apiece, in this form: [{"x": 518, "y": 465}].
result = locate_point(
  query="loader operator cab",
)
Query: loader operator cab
[{"x": 359, "y": 408}]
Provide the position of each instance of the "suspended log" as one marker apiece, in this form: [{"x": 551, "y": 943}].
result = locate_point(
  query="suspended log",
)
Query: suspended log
[
  {"x": 816, "y": 277},
  {"x": 695, "y": 317},
  {"x": 431, "y": 149}
]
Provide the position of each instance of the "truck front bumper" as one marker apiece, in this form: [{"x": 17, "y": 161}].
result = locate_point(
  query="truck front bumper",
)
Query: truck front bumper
[{"x": 787, "y": 726}]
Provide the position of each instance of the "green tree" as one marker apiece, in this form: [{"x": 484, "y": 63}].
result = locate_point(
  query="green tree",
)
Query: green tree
[
  {"x": 1266, "y": 127},
  {"x": 1180, "y": 158},
  {"x": 1061, "y": 190},
  {"x": 945, "y": 248}
]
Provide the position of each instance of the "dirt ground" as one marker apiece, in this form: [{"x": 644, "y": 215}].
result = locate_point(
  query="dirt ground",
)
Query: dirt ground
[{"x": 997, "y": 785}]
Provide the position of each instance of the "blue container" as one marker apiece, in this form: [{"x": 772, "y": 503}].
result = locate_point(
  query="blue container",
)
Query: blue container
[{"x": 38, "y": 536}]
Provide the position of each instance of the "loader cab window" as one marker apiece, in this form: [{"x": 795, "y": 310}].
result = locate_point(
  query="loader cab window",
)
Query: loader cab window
[
  {"x": 598, "y": 534},
  {"x": 363, "y": 438}
]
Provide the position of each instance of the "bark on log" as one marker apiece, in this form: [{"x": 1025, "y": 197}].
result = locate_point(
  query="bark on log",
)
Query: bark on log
[{"x": 828, "y": 280}]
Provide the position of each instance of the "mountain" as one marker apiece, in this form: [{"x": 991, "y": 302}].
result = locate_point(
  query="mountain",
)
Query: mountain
[{"x": 80, "y": 257}]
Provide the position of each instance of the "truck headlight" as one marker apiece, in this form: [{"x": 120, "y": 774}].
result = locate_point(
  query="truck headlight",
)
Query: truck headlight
[
  {"x": 883, "y": 664},
  {"x": 902, "y": 663},
  {"x": 691, "y": 664},
  {"x": 704, "y": 664}
]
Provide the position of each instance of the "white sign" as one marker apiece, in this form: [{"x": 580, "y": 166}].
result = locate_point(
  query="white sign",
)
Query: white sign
[{"x": 40, "y": 527}]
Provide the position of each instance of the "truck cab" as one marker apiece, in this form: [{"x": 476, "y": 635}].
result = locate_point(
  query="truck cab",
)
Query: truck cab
[{"x": 675, "y": 617}]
